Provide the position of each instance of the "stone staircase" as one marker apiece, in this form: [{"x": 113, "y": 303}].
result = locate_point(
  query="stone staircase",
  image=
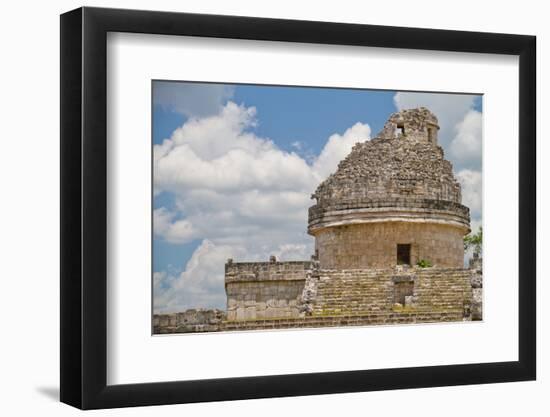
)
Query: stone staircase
[
  {"x": 371, "y": 319},
  {"x": 363, "y": 292},
  {"x": 366, "y": 298},
  {"x": 444, "y": 290}
]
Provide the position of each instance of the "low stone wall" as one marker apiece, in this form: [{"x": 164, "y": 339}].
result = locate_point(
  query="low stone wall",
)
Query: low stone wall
[
  {"x": 263, "y": 290},
  {"x": 189, "y": 321}
]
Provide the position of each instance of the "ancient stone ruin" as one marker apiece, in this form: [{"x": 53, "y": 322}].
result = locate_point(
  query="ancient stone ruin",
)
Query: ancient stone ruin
[{"x": 388, "y": 228}]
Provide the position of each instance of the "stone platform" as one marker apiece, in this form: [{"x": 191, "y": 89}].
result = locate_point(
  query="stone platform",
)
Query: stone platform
[{"x": 335, "y": 298}]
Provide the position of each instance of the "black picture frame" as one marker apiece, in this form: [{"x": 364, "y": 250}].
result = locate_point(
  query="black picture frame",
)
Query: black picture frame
[{"x": 84, "y": 207}]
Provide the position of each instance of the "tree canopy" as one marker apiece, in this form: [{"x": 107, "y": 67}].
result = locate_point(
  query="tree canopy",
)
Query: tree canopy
[{"x": 475, "y": 241}]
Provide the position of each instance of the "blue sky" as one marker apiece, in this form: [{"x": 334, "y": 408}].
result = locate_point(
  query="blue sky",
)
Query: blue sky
[{"x": 218, "y": 125}]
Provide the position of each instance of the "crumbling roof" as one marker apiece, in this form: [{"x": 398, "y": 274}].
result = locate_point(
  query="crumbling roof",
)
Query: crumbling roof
[{"x": 402, "y": 161}]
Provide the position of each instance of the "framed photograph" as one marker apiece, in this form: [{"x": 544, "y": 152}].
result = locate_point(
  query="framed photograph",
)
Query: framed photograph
[{"x": 257, "y": 208}]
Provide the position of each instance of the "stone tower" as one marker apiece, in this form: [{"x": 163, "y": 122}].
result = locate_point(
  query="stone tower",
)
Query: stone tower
[{"x": 393, "y": 200}]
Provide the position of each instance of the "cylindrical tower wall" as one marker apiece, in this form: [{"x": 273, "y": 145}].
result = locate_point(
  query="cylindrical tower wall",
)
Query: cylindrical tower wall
[{"x": 374, "y": 245}]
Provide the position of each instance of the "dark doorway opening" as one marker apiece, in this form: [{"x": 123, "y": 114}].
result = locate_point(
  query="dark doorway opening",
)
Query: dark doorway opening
[
  {"x": 402, "y": 290},
  {"x": 403, "y": 254}
]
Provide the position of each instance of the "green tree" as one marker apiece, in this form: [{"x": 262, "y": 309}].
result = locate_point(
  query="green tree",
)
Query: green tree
[{"x": 474, "y": 241}]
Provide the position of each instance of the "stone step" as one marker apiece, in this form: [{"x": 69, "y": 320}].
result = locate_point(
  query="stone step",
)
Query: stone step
[
  {"x": 365, "y": 292},
  {"x": 374, "y": 318}
]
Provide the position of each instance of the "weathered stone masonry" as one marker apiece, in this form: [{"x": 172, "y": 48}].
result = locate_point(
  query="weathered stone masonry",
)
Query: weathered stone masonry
[
  {"x": 189, "y": 321},
  {"x": 374, "y": 245},
  {"x": 392, "y": 203},
  {"x": 264, "y": 290}
]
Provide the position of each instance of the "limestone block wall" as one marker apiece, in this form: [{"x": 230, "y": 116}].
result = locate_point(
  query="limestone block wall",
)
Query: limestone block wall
[
  {"x": 374, "y": 245},
  {"x": 189, "y": 321},
  {"x": 264, "y": 290},
  {"x": 364, "y": 292}
]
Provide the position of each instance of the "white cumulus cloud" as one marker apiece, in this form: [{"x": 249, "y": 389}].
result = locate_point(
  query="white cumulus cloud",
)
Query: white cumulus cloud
[
  {"x": 466, "y": 145},
  {"x": 171, "y": 229},
  {"x": 219, "y": 153},
  {"x": 200, "y": 281},
  {"x": 471, "y": 182}
]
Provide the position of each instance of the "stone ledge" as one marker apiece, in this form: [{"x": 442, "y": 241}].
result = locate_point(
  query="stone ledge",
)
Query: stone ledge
[
  {"x": 361, "y": 215},
  {"x": 357, "y": 203},
  {"x": 266, "y": 271}
]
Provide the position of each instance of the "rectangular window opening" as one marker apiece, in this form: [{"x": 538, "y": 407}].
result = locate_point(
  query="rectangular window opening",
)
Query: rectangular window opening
[
  {"x": 403, "y": 254},
  {"x": 400, "y": 130}
]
